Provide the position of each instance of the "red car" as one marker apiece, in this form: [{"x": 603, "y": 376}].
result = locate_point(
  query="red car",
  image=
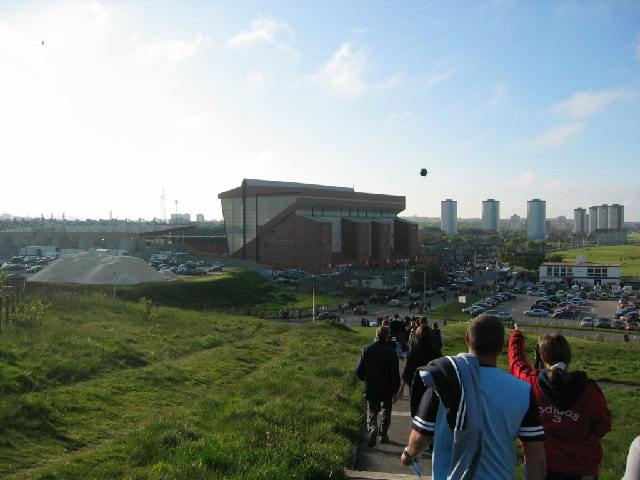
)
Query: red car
[{"x": 360, "y": 310}]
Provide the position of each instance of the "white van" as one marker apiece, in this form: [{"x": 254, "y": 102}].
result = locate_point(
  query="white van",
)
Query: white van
[{"x": 627, "y": 289}]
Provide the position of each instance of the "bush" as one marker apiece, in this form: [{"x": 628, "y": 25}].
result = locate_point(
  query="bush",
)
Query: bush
[{"x": 31, "y": 314}]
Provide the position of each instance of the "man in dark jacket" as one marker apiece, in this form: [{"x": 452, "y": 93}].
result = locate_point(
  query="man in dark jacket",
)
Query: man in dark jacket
[{"x": 378, "y": 367}]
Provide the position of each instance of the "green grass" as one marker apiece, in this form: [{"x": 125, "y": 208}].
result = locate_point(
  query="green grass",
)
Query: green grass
[
  {"x": 239, "y": 292},
  {"x": 628, "y": 256},
  {"x": 100, "y": 392}
]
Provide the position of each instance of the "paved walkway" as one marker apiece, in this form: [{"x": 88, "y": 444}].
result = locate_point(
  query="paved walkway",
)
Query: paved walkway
[{"x": 382, "y": 462}]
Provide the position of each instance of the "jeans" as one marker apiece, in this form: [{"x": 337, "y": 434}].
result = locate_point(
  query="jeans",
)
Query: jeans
[{"x": 374, "y": 407}]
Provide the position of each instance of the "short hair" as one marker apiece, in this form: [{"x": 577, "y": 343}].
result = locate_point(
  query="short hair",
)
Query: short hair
[
  {"x": 486, "y": 335},
  {"x": 383, "y": 333}
]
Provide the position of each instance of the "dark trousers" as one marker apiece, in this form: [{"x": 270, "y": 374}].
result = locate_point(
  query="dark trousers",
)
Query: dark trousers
[{"x": 374, "y": 407}]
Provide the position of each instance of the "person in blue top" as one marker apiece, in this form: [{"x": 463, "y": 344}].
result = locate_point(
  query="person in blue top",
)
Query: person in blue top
[{"x": 475, "y": 412}]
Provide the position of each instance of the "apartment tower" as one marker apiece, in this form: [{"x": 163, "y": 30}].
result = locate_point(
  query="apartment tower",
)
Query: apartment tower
[
  {"x": 536, "y": 219},
  {"x": 449, "y": 217},
  {"x": 490, "y": 214}
]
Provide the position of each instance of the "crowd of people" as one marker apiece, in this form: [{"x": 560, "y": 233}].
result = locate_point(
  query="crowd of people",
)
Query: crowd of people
[{"x": 469, "y": 413}]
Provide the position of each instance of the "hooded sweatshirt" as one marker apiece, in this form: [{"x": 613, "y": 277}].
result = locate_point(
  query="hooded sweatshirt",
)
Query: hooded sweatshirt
[{"x": 575, "y": 416}]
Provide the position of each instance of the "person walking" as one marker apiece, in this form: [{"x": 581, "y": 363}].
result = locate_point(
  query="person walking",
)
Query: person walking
[
  {"x": 378, "y": 366},
  {"x": 420, "y": 355},
  {"x": 474, "y": 412},
  {"x": 573, "y": 410},
  {"x": 437, "y": 337}
]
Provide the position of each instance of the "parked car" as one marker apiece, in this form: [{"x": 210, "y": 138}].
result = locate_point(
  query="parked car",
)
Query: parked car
[
  {"x": 631, "y": 326},
  {"x": 394, "y": 303},
  {"x": 360, "y": 310},
  {"x": 214, "y": 268},
  {"x": 603, "y": 322},
  {"x": 564, "y": 314},
  {"x": 328, "y": 316},
  {"x": 617, "y": 324},
  {"x": 536, "y": 312},
  {"x": 414, "y": 296},
  {"x": 504, "y": 316},
  {"x": 586, "y": 322}
]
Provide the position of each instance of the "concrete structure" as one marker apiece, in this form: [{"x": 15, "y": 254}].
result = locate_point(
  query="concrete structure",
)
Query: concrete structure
[
  {"x": 490, "y": 214},
  {"x": 580, "y": 221},
  {"x": 308, "y": 226},
  {"x": 583, "y": 273},
  {"x": 602, "y": 212},
  {"x": 449, "y": 216},
  {"x": 515, "y": 222},
  {"x": 593, "y": 219},
  {"x": 139, "y": 238},
  {"x": 615, "y": 217},
  {"x": 536, "y": 219},
  {"x": 606, "y": 224}
]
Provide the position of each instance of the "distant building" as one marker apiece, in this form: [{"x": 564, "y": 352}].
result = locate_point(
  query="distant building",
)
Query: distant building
[
  {"x": 286, "y": 224},
  {"x": 199, "y": 217},
  {"x": 582, "y": 273},
  {"x": 515, "y": 222},
  {"x": 449, "y": 216},
  {"x": 180, "y": 218},
  {"x": 580, "y": 221},
  {"x": 490, "y": 214},
  {"x": 536, "y": 219},
  {"x": 593, "y": 219},
  {"x": 606, "y": 224},
  {"x": 615, "y": 217}
]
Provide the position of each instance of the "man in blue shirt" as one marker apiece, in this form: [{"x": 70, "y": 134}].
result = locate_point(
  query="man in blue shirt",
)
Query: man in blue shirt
[{"x": 475, "y": 411}]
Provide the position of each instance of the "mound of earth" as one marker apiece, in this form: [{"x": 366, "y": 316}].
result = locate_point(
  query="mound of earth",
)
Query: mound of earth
[{"x": 100, "y": 269}]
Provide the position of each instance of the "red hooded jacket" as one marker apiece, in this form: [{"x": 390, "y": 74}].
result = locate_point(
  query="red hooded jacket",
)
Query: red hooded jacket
[{"x": 575, "y": 416}]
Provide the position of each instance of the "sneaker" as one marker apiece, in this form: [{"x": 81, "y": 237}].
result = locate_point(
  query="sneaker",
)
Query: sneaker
[{"x": 384, "y": 438}]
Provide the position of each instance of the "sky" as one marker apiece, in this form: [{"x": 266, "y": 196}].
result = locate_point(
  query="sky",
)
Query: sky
[{"x": 140, "y": 109}]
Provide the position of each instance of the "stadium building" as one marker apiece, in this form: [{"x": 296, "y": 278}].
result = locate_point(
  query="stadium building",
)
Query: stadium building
[{"x": 286, "y": 225}]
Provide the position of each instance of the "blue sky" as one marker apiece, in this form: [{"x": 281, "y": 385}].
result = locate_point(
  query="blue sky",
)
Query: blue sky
[{"x": 498, "y": 99}]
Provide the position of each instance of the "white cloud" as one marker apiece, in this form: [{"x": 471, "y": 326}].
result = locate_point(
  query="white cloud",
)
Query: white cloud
[
  {"x": 174, "y": 51},
  {"x": 556, "y": 136},
  {"x": 263, "y": 30},
  {"x": 359, "y": 30},
  {"x": 343, "y": 73},
  {"x": 498, "y": 96},
  {"x": 525, "y": 180},
  {"x": 256, "y": 79},
  {"x": 586, "y": 103},
  {"x": 438, "y": 77},
  {"x": 396, "y": 117}
]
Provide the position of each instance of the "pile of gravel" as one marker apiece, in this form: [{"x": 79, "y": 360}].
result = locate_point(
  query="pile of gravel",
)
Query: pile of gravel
[{"x": 100, "y": 269}]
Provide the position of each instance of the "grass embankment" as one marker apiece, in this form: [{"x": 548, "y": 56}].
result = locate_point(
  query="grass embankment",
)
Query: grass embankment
[
  {"x": 628, "y": 256},
  {"x": 98, "y": 392},
  {"x": 235, "y": 291}
]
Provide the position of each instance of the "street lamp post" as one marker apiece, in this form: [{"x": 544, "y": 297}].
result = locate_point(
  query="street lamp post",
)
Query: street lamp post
[
  {"x": 313, "y": 298},
  {"x": 405, "y": 276}
]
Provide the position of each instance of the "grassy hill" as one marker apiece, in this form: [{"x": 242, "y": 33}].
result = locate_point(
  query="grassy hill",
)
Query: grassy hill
[
  {"x": 104, "y": 388},
  {"x": 628, "y": 256},
  {"x": 234, "y": 291}
]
